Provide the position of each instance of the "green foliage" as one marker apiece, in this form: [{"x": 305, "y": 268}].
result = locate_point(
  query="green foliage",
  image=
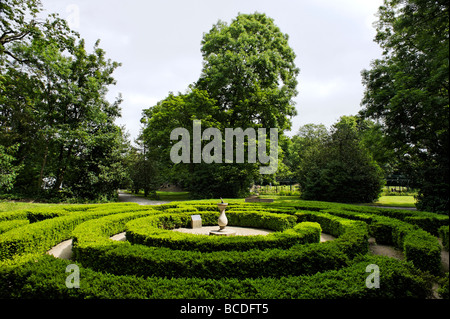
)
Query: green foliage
[
  {"x": 248, "y": 80},
  {"x": 443, "y": 289},
  {"x": 340, "y": 169},
  {"x": 407, "y": 91},
  {"x": 249, "y": 70},
  {"x": 8, "y": 171},
  {"x": 418, "y": 246},
  {"x": 11, "y": 224},
  {"x": 307, "y": 269},
  {"x": 399, "y": 279},
  {"x": 245, "y": 260},
  {"x": 40, "y": 236},
  {"x": 443, "y": 234},
  {"x": 54, "y": 112},
  {"x": 157, "y": 231}
]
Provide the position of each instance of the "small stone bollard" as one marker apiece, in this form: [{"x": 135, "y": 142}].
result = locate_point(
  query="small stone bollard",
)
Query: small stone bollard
[{"x": 196, "y": 221}]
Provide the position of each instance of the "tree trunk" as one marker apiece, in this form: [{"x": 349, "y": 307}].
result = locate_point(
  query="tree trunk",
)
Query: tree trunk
[{"x": 44, "y": 163}]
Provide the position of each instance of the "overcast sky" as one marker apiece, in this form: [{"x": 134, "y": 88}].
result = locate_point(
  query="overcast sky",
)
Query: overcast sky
[{"x": 158, "y": 44}]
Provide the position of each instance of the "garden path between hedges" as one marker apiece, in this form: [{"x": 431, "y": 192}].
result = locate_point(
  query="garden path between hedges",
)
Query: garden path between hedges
[{"x": 64, "y": 249}]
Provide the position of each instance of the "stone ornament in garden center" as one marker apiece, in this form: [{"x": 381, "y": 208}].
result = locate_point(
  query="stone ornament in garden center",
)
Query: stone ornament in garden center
[{"x": 222, "y": 221}]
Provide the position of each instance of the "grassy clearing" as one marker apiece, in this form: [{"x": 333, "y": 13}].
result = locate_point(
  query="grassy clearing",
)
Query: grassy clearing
[
  {"x": 396, "y": 201},
  {"x": 6, "y": 206}
]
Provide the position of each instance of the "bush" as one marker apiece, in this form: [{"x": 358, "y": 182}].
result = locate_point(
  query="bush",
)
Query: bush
[
  {"x": 145, "y": 231},
  {"x": 443, "y": 234},
  {"x": 126, "y": 259},
  {"x": 399, "y": 280},
  {"x": 11, "y": 224},
  {"x": 418, "y": 246},
  {"x": 443, "y": 289},
  {"x": 341, "y": 169},
  {"x": 41, "y": 236},
  {"x": 110, "y": 269}
]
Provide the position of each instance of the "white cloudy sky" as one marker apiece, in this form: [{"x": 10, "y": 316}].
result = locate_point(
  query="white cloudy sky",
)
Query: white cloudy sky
[{"x": 158, "y": 44}]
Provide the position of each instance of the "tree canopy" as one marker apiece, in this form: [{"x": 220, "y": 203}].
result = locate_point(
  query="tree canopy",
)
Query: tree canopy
[
  {"x": 338, "y": 167},
  {"x": 248, "y": 80},
  {"x": 407, "y": 92},
  {"x": 53, "y": 107}
]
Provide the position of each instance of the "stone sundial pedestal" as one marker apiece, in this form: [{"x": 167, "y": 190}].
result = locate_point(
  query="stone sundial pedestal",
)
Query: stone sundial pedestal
[{"x": 223, "y": 222}]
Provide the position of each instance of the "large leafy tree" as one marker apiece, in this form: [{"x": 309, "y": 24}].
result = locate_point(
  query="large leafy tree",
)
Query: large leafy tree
[
  {"x": 248, "y": 80},
  {"x": 407, "y": 91},
  {"x": 339, "y": 168},
  {"x": 308, "y": 136},
  {"x": 249, "y": 69},
  {"x": 53, "y": 105}
]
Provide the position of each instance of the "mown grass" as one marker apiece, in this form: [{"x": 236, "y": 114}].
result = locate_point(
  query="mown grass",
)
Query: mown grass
[
  {"x": 6, "y": 206},
  {"x": 396, "y": 201}
]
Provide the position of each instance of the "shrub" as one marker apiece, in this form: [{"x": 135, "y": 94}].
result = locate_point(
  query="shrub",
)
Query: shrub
[
  {"x": 145, "y": 231},
  {"x": 443, "y": 289},
  {"x": 41, "y": 236},
  {"x": 443, "y": 234},
  {"x": 123, "y": 258},
  {"x": 109, "y": 269},
  {"x": 418, "y": 246},
  {"x": 11, "y": 224},
  {"x": 400, "y": 280}
]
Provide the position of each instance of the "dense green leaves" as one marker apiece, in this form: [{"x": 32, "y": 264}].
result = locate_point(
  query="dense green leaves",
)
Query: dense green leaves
[
  {"x": 248, "y": 80},
  {"x": 53, "y": 106},
  {"x": 249, "y": 69},
  {"x": 339, "y": 168},
  {"x": 407, "y": 90}
]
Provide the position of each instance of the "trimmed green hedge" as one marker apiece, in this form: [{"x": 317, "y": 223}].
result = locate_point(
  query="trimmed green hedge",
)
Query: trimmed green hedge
[
  {"x": 110, "y": 269},
  {"x": 443, "y": 234},
  {"x": 11, "y": 224},
  {"x": 352, "y": 235},
  {"x": 157, "y": 231},
  {"x": 126, "y": 259},
  {"x": 99, "y": 230},
  {"x": 418, "y": 246},
  {"x": 41, "y": 236},
  {"x": 398, "y": 280}
]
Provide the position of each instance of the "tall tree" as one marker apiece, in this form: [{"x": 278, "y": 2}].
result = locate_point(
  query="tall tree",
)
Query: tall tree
[
  {"x": 407, "y": 90},
  {"x": 248, "y": 80},
  {"x": 340, "y": 168},
  {"x": 53, "y": 104},
  {"x": 249, "y": 68}
]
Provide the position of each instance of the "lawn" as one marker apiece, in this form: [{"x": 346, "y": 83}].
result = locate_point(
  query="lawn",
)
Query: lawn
[
  {"x": 396, "y": 201},
  {"x": 6, "y": 206}
]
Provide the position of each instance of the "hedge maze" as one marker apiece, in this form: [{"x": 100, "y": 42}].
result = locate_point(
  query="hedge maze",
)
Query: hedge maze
[{"x": 156, "y": 262}]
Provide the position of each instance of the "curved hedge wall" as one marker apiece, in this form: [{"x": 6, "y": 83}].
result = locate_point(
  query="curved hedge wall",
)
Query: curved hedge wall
[
  {"x": 418, "y": 246},
  {"x": 157, "y": 231},
  {"x": 140, "y": 260},
  {"x": 156, "y": 262}
]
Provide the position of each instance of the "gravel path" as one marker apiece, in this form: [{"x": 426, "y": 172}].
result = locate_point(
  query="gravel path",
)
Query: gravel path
[{"x": 64, "y": 249}]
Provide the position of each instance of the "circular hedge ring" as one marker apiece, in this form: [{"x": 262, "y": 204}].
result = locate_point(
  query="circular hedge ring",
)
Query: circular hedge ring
[
  {"x": 110, "y": 269},
  {"x": 158, "y": 231},
  {"x": 123, "y": 258}
]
